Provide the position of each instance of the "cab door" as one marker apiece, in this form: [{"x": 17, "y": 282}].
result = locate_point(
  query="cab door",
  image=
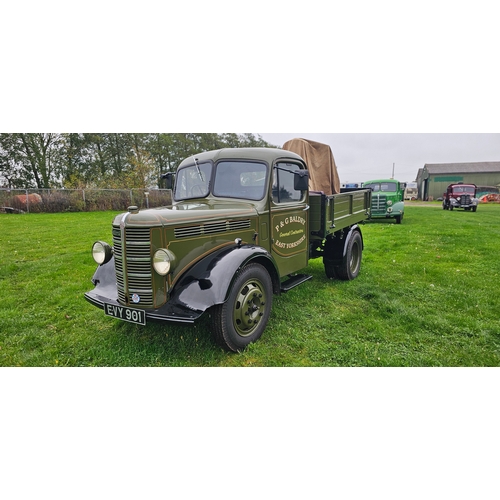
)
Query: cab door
[{"x": 289, "y": 219}]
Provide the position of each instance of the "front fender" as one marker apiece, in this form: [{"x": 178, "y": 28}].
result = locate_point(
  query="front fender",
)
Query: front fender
[
  {"x": 209, "y": 281},
  {"x": 104, "y": 280},
  {"x": 398, "y": 208}
]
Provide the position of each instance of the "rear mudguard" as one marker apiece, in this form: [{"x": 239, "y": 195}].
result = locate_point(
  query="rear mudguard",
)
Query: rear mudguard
[{"x": 335, "y": 249}]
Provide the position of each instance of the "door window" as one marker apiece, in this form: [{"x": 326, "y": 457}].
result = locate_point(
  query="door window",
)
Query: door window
[{"x": 283, "y": 183}]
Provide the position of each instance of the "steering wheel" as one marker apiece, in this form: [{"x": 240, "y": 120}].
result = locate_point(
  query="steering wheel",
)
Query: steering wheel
[{"x": 198, "y": 190}]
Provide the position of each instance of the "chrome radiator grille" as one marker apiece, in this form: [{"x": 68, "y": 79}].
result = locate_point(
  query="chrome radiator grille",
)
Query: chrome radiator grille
[
  {"x": 132, "y": 252},
  {"x": 464, "y": 199},
  {"x": 379, "y": 203}
]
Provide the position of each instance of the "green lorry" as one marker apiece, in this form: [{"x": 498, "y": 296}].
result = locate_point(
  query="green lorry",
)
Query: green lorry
[
  {"x": 387, "y": 199},
  {"x": 242, "y": 223}
]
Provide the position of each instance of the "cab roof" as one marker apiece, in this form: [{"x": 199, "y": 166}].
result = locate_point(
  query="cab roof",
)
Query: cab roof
[
  {"x": 268, "y": 155},
  {"x": 380, "y": 180}
]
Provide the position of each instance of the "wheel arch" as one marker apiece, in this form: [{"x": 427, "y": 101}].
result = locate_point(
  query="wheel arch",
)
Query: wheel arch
[
  {"x": 209, "y": 281},
  {"x": 337, "y": 248},
  {"x": 268, "y": 262},
  {"x": 399, "y": 207}
]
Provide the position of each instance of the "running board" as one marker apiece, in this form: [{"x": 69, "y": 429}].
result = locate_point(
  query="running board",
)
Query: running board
[{"x": 294, "y": 281}]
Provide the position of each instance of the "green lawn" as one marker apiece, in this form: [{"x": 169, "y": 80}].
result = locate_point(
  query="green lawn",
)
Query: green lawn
[{"x": 427, "y": 295}]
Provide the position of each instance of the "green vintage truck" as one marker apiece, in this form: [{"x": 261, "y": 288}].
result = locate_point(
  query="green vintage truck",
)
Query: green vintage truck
[
  {"x": 387, "y": 199},
  {"x": 243, "y": 222}
]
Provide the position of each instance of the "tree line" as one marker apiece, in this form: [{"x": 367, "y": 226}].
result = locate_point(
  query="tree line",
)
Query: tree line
[{"x": 126, "y": 160}]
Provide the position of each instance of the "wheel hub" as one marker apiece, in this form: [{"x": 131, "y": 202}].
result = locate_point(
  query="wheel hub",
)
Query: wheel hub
[{"x": 249, "y": 307}]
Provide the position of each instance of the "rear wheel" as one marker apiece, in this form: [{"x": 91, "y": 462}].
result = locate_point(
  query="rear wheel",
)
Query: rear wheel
[
  {"x": 331, "y": 270},
  {"x": 351, "y": 262},
  {"x": 243, "y": 317}
]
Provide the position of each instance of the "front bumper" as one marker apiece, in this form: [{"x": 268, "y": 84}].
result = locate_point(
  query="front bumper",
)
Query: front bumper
[
  {"x": 105, "y": 292},
  {"x": 465, "y": 205},
  {"x": 464, "y": 202},
  {"x": 171, "y": 312},
  {"x": 386, "y": 215}
]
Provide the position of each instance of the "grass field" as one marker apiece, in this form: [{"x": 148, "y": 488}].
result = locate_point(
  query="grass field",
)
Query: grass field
[{"x": 427, "y": 295}]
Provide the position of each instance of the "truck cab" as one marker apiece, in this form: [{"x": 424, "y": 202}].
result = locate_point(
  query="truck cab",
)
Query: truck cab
[
  {"x": 387, "y": 199},
  {"x": 242, "y": 224},
  {"x": 462, "y": 196}
]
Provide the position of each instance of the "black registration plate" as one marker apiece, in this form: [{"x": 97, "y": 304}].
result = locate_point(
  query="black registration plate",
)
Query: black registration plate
[{"x": 137, "y": 316}]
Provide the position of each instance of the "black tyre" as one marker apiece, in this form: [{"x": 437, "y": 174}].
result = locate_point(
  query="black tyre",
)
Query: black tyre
[
  {"x": 243, "y": 317},
  {"x": 331, "y": 270},
  {"x": 351, "y": 262},
  {"x": 399, "y": 218}
]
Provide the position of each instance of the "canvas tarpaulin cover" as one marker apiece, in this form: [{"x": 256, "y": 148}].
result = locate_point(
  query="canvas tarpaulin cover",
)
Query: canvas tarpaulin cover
[{"x": 323, "y": 175}]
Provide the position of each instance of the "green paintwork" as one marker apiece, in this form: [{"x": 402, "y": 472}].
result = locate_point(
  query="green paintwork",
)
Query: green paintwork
[
  {"x": 387, "y": 198},
  {"x": 193, "y": 229},
  {"x": 249, "y": 307}
]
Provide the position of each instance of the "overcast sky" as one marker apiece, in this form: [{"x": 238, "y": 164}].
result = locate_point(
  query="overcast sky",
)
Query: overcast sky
[{"x": 360, "y": 157}]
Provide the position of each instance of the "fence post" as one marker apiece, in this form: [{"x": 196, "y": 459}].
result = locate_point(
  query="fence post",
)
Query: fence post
[{"x": 27, "y": 202}]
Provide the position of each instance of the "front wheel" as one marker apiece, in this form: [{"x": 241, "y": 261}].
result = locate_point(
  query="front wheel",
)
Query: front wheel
[{"x": 242, "y": 319}]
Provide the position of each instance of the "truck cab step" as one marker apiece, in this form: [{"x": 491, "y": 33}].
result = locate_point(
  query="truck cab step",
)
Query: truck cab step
[{"x": 294, "y": 281}]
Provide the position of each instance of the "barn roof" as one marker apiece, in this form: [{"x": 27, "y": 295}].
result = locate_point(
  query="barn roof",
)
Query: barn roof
[{"x": 463, "y": 168}]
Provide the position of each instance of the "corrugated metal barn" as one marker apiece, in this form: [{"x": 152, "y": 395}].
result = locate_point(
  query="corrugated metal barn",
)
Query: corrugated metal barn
[{"x": 435, "y": 177}]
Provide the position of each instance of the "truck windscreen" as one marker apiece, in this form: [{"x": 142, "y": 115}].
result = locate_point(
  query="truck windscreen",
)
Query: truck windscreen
[{"x": 193, "y": 181}]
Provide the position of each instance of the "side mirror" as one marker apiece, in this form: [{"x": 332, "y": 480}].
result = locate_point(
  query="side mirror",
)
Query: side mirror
[
  {"x": 169, "y": 180},
  {"x": 301, "y": 180}
]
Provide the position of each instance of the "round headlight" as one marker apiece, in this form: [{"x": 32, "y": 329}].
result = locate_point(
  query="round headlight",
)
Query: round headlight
[
  {"x": 389, "y": 202},
  {"x": 162, "y": 261},
  {"x": 101, "y": 252}
]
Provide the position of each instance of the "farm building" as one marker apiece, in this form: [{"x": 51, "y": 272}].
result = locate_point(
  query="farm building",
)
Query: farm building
[{"x": 435, "y": 177}]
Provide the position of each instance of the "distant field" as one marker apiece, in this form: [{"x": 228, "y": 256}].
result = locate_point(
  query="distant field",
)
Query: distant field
[{"x": 427, "y": 295}]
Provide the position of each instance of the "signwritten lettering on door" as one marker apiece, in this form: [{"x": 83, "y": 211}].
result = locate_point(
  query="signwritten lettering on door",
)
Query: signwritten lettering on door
[{"x": 289, "y": 234}]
